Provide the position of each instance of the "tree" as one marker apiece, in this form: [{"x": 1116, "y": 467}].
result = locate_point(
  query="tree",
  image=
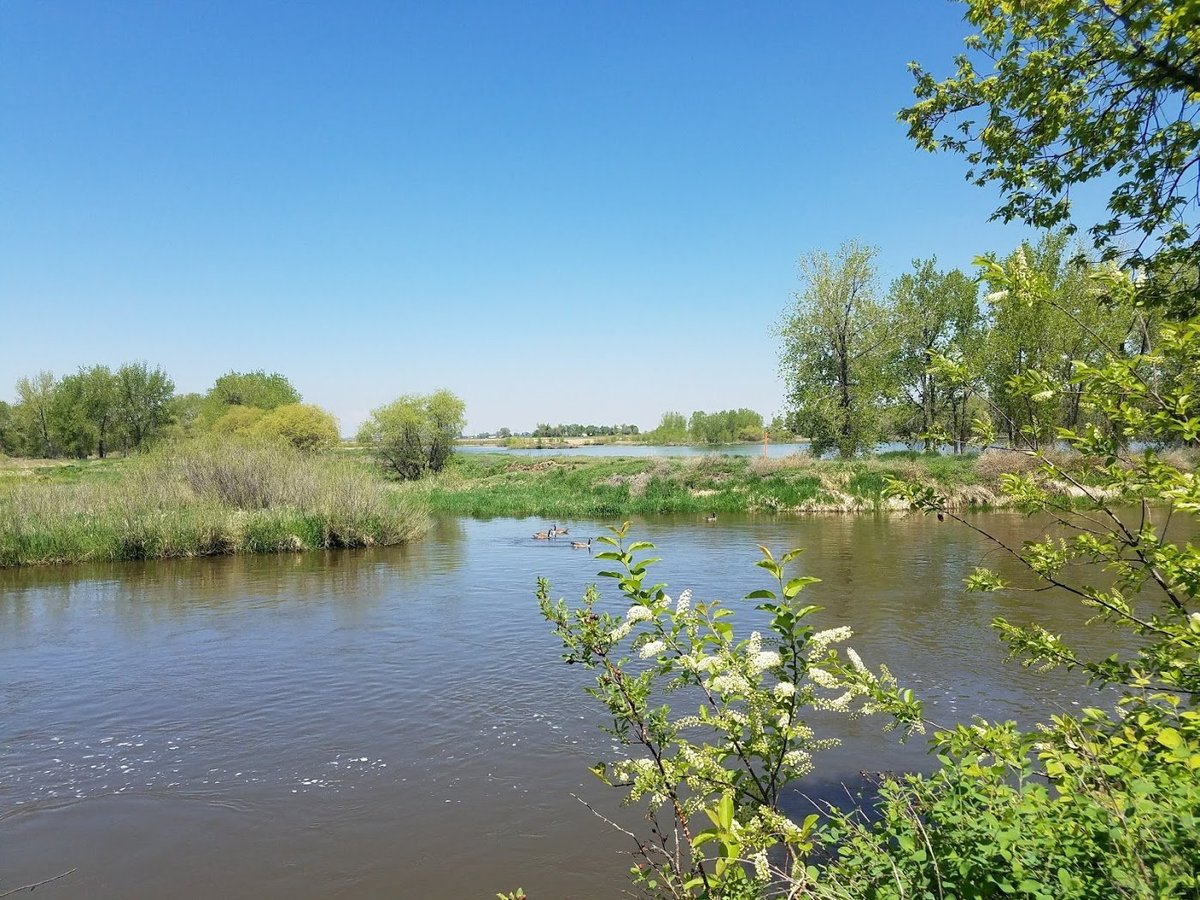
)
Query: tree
[
  {"x": 836, "y": 343},
  {"x": 1047, "y": 313},
  {"x": 35, "y": 397},
  {"x": 256, "y": 389},
  {"x": 1057, "y": 93},
  {"x": 302, "y": 425},
  {"x": 8, "y": 430},
  {"x": 726, "y": 427},
  {"x": 672, "y": 429},
  {"x": 86, "y": 411},
  {"x": 415, "y": 433},
  {"x": 145, "y": 397},
  {"x": 936, "y": 313},
  {"x": 70, "y": 430},
  {"x": 186, "y": 410}
]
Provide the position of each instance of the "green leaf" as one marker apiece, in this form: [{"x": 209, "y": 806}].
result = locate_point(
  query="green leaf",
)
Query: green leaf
[{"x": 1169, "y": 738}]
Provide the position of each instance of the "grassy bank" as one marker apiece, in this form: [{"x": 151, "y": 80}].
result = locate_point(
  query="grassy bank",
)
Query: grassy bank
[
  {"x": 480, "y": 484},
  {"x": 198, "y": 500}
]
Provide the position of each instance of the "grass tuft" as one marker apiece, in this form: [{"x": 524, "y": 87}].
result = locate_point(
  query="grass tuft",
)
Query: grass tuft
[{"x": 203, "y": 499}]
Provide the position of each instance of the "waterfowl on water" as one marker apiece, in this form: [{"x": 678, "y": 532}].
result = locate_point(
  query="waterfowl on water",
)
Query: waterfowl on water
[
  {"x": 711, "y": 517},
  {"x": 580, "y": 545},
  {"x": 542, "y": 535},
  {"x": 560, "y": 530}
]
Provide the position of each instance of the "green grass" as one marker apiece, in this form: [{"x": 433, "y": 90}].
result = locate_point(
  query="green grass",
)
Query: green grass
[
  {"x": 198, "y": 500},
  {"x": 485, "y": 485}
]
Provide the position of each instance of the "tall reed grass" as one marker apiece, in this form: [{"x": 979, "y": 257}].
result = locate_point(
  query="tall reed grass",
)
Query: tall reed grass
[{"x": 206, "y": 498}]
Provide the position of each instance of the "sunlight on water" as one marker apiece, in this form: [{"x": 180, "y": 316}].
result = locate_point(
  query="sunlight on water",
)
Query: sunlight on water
[{"x": 323, "y": 707}]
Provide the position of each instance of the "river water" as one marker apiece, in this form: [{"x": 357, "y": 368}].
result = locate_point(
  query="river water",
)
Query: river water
[{"x": 397, "y": 722}]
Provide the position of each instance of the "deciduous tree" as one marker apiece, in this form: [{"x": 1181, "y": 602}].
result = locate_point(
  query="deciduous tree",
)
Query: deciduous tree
[
  {"x": 145, "y": 396},
  {"x": 936, "y": 313},
  {"x": 836, "y": 344},
  {"x": 1056, "y": 93},
  {"x": 415, "y": 433}
]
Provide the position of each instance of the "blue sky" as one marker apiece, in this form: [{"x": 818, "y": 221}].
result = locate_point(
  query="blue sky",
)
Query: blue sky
[{"x": 560, "y": 211}]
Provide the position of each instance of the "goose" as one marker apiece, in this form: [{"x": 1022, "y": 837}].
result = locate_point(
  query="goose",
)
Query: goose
[
  {"x": 711, "y": 517},
  {"x": 558, "y": 530},
  {"x": 580, "y": 545},
  {"x": 542, "y": 535}
]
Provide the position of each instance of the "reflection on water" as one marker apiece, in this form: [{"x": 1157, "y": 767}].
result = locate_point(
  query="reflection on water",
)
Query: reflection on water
[{"x": 397, "y": 722}]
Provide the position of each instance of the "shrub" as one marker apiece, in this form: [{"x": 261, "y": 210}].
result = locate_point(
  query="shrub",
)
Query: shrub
[
  {"x": 302, "y": 425},
  {"x": 238, "y": 420},
  {"x": 414, "y": 434}
]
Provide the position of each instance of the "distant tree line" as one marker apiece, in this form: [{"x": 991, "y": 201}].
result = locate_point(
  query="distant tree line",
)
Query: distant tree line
[
  {"x": 98, "y": 410},
  {"x": 575, "y": 430},
  {"x": 728, "y": 426},
  {"x": 94, "y": 411},
  {"x": 928, "y": 363}
]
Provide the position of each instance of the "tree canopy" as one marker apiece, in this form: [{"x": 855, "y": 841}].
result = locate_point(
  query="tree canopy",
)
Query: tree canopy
[
  {"x": 1052, "y": 94},
  {"x": 415, "y": 433},
  {"x": 836, "y": 344},
  {"x": 257, "y": 389}
]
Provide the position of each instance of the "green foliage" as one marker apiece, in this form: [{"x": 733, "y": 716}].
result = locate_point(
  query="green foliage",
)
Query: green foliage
[
  {"x": 544, "y": 430},
  {"x": 836, "y": 345},
  {"x": 186, "y": 411},
  {"x": 1048, "y": 314},
  {"x": 414, "y": 434},
  {"x": 203, "y": 498},
  {"x": 237, "y": 420},
  {"x": 936, "y": 315},
  {"x": 32, "y": 415},
  {"x": 8, "y": 431},
  {"x": 726, "y": 427},
  {"x": 257, "y": 389},
  {"x": 302, "y": 425},
  {"x": 144, "y": 401},
  {"x": 672, "y": 429},
  {"x": 480, "y": 484},
  {"x": 732, "y": 761},
  {"x": 1055, "y": 94},
  {"x": 1103, "y": 803}
]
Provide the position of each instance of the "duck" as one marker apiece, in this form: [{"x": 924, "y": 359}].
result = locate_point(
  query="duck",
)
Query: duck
[{"x": 581, "y": 545}]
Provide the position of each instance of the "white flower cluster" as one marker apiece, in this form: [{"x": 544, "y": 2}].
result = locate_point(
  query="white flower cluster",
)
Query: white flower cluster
[
  {"x": 633, "y": 615},
  {"x": 653, "y": 648},
  {"x": 840, "y": 703},
  {"x": 822, "y": 678},
  {"x": 799, "y": 761},
  {"x": 822, "y": 640},
  {"x": 730, "y": 683},
  {"x": 762, "y": 868},
  {"x": 763, "y": 660},
  {"x": 684, "y": 603},
  {"x": 698, "y": 662},
  {"x": 783, "y": 690},
  {"x": 856, "y": 661}
]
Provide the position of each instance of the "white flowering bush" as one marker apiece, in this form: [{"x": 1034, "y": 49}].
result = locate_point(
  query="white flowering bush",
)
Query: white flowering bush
[{"x": 712, "y": 782}]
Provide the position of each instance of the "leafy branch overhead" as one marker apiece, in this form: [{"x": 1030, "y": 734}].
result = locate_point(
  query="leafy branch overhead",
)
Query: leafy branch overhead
[{"x": 1053, "y": 94}]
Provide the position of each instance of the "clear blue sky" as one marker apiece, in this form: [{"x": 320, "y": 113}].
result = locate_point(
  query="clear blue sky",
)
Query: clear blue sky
[{"x": 560, "y": 211}]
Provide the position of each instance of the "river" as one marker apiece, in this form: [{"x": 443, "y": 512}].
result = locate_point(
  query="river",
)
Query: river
[{"x": 397, "y": 722}]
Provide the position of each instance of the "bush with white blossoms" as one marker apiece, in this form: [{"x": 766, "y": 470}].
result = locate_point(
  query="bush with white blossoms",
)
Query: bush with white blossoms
[{"x": 712, "y": 782}]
